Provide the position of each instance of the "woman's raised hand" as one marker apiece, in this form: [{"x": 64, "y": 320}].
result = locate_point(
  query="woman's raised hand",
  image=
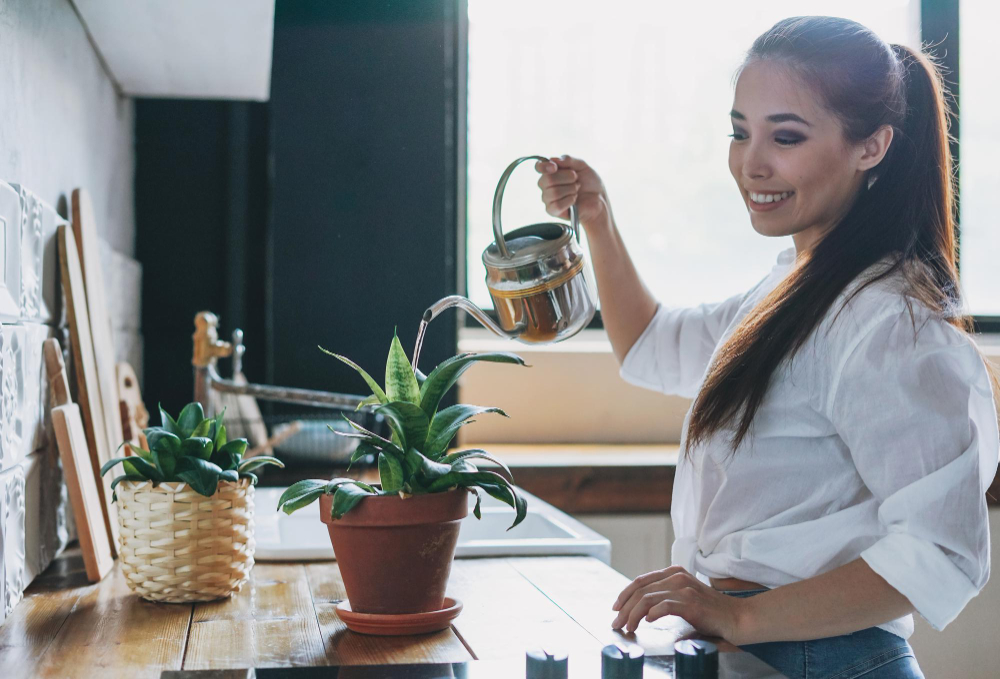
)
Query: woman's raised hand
[
  {"x": 567, "y": 181},
  {"x": 626, "y": 305}
]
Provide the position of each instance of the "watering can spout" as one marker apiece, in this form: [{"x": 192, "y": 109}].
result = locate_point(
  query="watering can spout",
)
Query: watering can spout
[{"x": 466, "y": 305}]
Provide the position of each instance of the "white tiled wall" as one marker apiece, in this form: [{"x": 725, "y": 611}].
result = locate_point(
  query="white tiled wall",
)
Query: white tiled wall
[{"x": 35, "y": 518}]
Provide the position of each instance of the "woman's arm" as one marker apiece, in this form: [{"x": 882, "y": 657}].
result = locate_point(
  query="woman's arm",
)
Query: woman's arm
[
  {"x": 849, "y": 598},
  {"x": 627, "y": 306},
  {"x": 846, "y": 599}
]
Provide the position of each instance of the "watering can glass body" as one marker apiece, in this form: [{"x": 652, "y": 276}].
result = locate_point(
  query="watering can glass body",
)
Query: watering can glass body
[{"x": 535, "y": 276}]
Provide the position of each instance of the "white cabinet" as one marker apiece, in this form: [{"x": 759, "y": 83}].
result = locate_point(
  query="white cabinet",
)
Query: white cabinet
[
  {"x": 639, "y": 542},
  {"x": 207, "y": 49}
]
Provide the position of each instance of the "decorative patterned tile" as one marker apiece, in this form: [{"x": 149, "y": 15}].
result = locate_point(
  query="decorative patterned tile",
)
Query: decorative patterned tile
[
  {"x": 39, "y": 298},
  {"x": 36, "y": 387},
  {"x": 12, "y": 395},
  {"x": 11, "y": 539},
  {"x": 48, "y": 520},
  {"x": 10, "y": 253}
]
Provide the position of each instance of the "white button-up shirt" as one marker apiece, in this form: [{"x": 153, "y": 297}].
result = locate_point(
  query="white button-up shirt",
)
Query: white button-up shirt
[{"x": 875, "y": 440}]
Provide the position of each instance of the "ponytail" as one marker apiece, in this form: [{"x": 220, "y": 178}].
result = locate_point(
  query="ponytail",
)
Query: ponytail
[{"x": 904, "y": 213}]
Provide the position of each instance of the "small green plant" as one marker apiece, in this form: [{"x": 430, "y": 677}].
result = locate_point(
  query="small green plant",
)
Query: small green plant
[
  {"x": 192, "y": 449},
  {"x": 415, "y": 461}
]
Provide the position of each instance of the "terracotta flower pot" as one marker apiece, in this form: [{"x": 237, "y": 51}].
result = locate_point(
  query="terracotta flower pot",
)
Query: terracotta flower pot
[{"x": 395, "y": 555}]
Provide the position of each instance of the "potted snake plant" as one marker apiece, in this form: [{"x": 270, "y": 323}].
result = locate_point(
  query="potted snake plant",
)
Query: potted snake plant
[
  {"x": 395, "y": 540},
  {"x": 185, "y": 509}
]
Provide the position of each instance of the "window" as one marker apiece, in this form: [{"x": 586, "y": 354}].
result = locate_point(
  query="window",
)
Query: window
[
  {"x": 980, "y": 173},
  {"x": 642, "y": 91}
]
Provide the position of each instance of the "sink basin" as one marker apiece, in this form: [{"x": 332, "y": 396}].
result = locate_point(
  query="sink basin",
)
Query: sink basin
[{"x": 545, "y": 531}]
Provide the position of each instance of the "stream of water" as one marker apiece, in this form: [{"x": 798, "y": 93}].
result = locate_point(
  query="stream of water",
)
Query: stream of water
[{"x": 420, "y": 343}]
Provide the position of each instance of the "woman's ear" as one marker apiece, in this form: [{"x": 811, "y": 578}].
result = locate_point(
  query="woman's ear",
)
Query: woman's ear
[{"x": 875, "y": 148}]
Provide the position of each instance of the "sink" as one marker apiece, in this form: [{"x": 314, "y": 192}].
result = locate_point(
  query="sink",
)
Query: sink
[{"x": 545, "y": 531}]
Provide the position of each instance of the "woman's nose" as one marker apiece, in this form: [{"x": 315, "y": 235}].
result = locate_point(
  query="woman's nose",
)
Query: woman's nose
[{"x": 756, "y": 164}]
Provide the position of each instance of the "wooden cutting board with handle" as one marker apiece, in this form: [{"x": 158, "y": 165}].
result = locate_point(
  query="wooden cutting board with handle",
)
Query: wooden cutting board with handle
[
  {"x": 77, "y": 469},
  {"x": 88, "y": 249},
  {"x": 134, "y": 415},
  {"x": 88, "y": 392}
]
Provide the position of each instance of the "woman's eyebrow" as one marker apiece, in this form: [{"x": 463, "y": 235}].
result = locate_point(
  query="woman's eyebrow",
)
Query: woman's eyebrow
[{"x": 776, "y": 118}]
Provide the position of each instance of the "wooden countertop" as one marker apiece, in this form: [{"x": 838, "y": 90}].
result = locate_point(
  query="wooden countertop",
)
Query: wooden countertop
[{"x": 285, "y": 616}]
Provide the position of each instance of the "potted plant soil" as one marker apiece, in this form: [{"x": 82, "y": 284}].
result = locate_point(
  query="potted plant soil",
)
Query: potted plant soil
[
  {"x": 395, "y": 541},
  {"x": 185, "y": 508}
]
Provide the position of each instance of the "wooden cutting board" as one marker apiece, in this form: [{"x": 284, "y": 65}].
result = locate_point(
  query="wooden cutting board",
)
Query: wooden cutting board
[
  {"x": 88, "y": 392},
  {"x": 77, "y": 469},
  {"x": 79, "y": 475},
  {"x": 134, "y": 415},
  {"x": 88, "y": 248}
]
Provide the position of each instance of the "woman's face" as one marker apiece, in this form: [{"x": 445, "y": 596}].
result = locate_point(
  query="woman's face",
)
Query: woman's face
[{"x": 797, "y": 173}]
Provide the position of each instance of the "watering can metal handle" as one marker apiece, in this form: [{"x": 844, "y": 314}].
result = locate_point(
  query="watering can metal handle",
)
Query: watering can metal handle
[{"x": 498, "y": 199}]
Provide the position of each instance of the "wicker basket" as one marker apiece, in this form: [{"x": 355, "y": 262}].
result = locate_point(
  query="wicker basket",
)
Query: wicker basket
[{"x": 179, "y": 546}]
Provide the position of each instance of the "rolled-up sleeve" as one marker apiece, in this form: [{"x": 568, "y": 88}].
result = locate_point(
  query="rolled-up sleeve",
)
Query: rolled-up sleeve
[
  {"x": 914, "y": 405},
  {"x": 672, "y": 353}
]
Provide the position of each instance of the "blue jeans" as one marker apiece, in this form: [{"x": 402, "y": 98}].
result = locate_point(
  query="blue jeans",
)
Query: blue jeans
[{"x": 871, "y": 653}]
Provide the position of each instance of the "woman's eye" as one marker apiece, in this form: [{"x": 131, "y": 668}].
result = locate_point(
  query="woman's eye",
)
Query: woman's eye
[
  {"x": 737, "y": 136},
  {"x": 788, "y": 141}
]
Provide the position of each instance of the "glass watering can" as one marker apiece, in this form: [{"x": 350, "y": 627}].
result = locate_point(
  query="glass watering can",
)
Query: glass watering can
[{"x": 535, "y": 276}]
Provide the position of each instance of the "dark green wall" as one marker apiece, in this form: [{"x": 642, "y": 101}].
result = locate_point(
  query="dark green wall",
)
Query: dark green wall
[{"x": 328, "y": 215}]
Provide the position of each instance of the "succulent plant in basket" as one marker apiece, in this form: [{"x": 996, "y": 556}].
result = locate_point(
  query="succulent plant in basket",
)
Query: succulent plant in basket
[
  {"x": 186, "y": 509},
  {"x": 394, "y": 541},
  {"x": 193, "y": 449}
]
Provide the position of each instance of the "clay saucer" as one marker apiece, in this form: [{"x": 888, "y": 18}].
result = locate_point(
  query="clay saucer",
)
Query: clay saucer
[{"x": 385, "y": 624}]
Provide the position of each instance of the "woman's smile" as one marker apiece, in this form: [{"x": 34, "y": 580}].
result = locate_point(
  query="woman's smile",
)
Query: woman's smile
[{"x": 765, "y": 202}]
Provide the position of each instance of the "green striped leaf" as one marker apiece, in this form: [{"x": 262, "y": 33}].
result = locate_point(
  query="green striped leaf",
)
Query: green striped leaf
[
  {"x": 201, "y": 475},
  {"x": 417, "y": 462},
  {"x": 372, "y": 384},
  {"x": 168, "y": 423},
  {"x": 477, "y": 453},
  {"x": 444, "y": 376},
  {"x": 127, "y": 477},
  {"x": 300, "y": 494},
  {"x": 400, "y": 382},
  {"x": 200, "y": 448},
  {"x": 407, "y": 422},
  {"x": 446, "y": 424},
  {"x": 191, "y": 416},
  {"x": 500, "y": 488},
  {"x": 158, "y": 436},
  {"x": 390, "y": 473},
  {"x": 254, "y": 462},
  {"x": 346, "y": 497}
]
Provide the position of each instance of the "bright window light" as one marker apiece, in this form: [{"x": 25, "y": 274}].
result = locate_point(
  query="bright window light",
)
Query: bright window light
[
  {"x": 642, "y": 91},
  {"x": 980, "y": 172}
]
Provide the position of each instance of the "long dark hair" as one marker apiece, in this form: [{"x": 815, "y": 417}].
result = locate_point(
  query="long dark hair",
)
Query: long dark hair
[{"x": 907, "y": 215}]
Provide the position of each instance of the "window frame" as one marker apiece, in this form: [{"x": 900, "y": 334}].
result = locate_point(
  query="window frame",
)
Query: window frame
[{"x": 939, "y": 26}]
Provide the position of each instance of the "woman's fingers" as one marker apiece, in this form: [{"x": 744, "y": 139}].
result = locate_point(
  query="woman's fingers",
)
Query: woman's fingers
[
  {"x": 661, "y": 609},
  {"x": 546, "y": 167},
  {"x": 559, "y": 207},
  {"x": 554, "y": 193},
  {"x": 678, "y": 579},
  {"x": 660, "y": 588},
  {"x": 642, "y": 581},
  {"x": 559, "y": 178},
  {"x": 570, "y": 162},
  {"x": 640, "y": 610}
]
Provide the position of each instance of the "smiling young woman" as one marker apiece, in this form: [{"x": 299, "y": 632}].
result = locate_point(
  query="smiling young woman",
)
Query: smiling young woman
[{"x": 843, "y": 430}]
